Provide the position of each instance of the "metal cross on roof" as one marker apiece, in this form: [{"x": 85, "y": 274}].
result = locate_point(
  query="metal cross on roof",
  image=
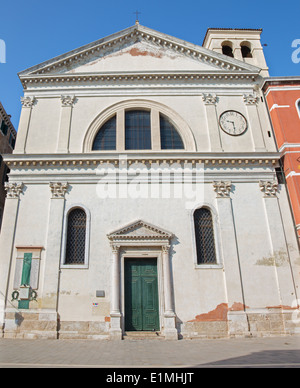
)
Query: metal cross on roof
[{"x": 137, "y": 16}]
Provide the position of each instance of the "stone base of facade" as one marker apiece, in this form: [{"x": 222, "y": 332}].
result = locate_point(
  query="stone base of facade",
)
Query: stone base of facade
[
  {"x": 83, "y": 330},
  {"x": 257, "y": 323},
  {"x": 30, "y": 324}
]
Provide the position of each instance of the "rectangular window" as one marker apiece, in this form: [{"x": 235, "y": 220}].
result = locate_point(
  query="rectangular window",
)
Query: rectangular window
[
  {"x": 4, "y": 128},
  {"x": 12, "y": 141},
  {"x": 137, "y": 130}
]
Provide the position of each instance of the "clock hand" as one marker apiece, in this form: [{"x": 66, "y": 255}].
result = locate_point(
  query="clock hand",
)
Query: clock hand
[{"x": 232, "y": 122}]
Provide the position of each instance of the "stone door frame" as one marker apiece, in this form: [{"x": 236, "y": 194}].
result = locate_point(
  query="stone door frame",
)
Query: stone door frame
[{"x": 141, "y": 239}]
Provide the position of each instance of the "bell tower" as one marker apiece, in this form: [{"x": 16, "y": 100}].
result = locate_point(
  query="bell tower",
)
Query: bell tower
[{"x": 241, "y": 44}]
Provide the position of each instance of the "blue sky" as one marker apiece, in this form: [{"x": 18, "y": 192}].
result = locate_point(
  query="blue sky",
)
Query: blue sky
[{"x": 36, "y": 30}]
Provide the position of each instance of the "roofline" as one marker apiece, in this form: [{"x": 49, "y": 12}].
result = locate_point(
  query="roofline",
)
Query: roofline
[
  {"x": 273, "y": 81},
  {"x": 76, "y": 50},
  {"x": 230, "y": 29},
  {"x": 7, "y": 116},
  {"x": 144, "y": 31}
]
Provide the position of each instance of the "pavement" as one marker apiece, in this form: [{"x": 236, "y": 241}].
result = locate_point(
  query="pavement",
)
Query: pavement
[{"x": 268, "y": 352}]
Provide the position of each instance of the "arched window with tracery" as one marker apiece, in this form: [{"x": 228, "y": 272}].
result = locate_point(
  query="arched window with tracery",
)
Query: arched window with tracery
[{"x": 204, "y": 235}]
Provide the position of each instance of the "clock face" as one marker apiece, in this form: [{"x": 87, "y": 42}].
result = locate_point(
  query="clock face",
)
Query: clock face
[{"x": 233, "y": 123}]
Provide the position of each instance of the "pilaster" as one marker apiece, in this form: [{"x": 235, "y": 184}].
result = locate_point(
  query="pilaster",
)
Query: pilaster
[
  {"x": 237, "y": 318},
  {"x": 115, "y": 331},
  {"x": 53, "y": 247},
  {"x": 67, "y": 103},
  {"x": 7, "y": 238},
  {"x": 170, "y": 331},
  {"x": 210, "y": 102},
  {"x": 251, "y": 101},
  {"x": 27, "y": 105},
  {"x": 279, "y": 254}
]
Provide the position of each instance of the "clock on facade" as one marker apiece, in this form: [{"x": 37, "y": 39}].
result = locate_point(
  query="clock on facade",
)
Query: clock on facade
[{"x": 233, "y": 123}]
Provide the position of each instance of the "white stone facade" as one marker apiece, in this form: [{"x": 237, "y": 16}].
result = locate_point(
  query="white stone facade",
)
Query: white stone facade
[{"x": 141, "y": 204}]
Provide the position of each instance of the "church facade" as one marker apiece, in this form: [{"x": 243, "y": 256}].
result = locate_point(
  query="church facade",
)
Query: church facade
[{"x": 143, "y": 196}]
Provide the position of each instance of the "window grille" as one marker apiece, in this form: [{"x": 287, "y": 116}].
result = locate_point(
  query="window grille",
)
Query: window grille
[
  {"x": 106, "y": 137},
  {"x": 169, "y": 137},
  {"x": 205, "y": 241},
  {"x": 137, "y": 130},
  {"x": 76, "y": 233}
]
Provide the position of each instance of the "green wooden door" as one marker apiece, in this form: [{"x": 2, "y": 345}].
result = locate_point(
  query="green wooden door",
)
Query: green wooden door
[{"x": 141, "y": 295}]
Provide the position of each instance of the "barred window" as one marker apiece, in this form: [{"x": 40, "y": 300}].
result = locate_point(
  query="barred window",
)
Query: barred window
[
  {"x": 106, "y": 137},
  {"x": 204, "y": 232},
  {"x": 76, "y": 237}
]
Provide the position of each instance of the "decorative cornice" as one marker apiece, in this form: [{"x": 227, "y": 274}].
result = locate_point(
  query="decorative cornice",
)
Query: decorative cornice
[
  {"x": 269, "y": 188},
  {"x": 127, "y": 78},
  {"x": 90, "y": 160},
  {"x": 13, "y": 189},
  {"x": 222, "y": 189},
  {"x": 58, "y": 189},
  {"x": 137, "y": 33}
]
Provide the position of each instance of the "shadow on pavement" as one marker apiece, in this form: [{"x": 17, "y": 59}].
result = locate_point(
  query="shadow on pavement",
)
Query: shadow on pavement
[{"x": 263, "y": 359}]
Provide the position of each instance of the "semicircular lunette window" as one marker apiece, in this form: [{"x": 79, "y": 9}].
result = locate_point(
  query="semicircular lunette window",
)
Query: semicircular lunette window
[
  {"x": 106, "y": 137},
  {"x": 169, "y": 137},
  {"x": 137, "y": 131}
]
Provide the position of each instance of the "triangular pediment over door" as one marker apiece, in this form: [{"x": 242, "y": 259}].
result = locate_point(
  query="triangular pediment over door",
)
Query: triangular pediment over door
[{"x": 140, "y": 233}]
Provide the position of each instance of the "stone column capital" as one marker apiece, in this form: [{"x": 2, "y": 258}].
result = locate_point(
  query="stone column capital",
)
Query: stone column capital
[
  {"x": 269, "y": 188},
  {"x": 28, "y": 102},
  {"x": 250, "y": 99},
  {"x": 58, "y": 189},
  {"x": 222, "y": 189},
  {"x": 209, "y": 99},
  {"x": 13, "y": 189},
  {"x": 67, "y": 100}
]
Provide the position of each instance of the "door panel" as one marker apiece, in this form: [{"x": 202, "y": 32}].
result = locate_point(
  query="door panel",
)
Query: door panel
[{"x": 141, "y": 295}]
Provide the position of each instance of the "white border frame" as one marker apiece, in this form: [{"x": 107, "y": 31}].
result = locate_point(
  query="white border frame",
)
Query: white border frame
[
  {"x": 87, "y": 237},
  {"x": 143, "y": 253}
]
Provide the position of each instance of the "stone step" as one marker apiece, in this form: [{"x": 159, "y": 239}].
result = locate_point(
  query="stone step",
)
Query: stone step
[{"x": 143, "y": 335}]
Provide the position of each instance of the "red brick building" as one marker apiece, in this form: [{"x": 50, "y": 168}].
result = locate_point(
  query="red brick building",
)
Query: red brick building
[
  {"x": 7, "y": 143},
  {"x": 283, "y": 100}
]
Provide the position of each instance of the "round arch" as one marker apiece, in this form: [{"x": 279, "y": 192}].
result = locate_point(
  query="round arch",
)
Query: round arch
[{"x": 180, "y": 124}]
